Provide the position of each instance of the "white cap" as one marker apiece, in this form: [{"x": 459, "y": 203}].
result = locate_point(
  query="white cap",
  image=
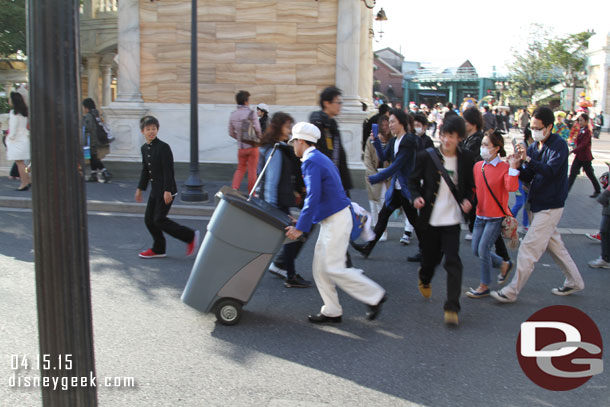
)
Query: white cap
[
  {"x": 305, "y": 131},
  {"x": 263, "y": 107}
]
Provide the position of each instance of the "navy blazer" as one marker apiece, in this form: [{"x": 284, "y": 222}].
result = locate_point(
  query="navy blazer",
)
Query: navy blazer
[
  {"x": 325, "y": 193},
  {"x": 402, "y": 164}
]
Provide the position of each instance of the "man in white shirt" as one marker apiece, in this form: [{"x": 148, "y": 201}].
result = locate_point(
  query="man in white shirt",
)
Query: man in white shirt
[{"x": 441, "y": 210}]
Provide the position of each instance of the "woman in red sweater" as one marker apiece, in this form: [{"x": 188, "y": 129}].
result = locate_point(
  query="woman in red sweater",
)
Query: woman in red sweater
[{"x": 493, "y": 178}]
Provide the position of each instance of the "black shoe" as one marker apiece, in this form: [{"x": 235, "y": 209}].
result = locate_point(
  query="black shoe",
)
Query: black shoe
[
  {"x": 92, "y": 177},
  {"x": 364, "y": 249},
  {"x": 374, "y": 310},
  {"x": 106, "y": 176},
  {"x": 595, "y": 194},
  {"x": 297, "y": 282},
  {"x": 320, "y": 319},
  {"x": 415, "y": 259},
  {"x": 25, "y": 188}
]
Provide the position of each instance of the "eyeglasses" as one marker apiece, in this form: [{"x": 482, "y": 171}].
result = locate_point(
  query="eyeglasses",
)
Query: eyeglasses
[{"x": 339, "y": 102}]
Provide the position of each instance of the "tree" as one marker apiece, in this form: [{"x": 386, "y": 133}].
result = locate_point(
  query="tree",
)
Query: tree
[
  {"x": 569, "y": 55},
  {"x": 12, "y": 27},
  {"x": 531, "y": 70}
]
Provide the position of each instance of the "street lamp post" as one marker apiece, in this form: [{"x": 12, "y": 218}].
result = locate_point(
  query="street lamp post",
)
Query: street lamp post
[
  {"x": 194, "y": 191},
  {"x": 61, "y": 248}
]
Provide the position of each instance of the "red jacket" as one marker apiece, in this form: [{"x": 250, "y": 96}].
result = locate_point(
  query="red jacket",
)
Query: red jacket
[
  {"x": 582, "y": 151},
  {"x": 500, "y": 183}
]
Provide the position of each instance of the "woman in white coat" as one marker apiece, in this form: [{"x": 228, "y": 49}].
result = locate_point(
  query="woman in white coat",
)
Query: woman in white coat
[{"x": 18, "y": 139}]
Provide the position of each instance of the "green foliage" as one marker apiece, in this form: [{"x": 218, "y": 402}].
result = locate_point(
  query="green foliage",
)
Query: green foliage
[
  {"x": 12, "y": 27},
  {"x": 569, "y": 55}
]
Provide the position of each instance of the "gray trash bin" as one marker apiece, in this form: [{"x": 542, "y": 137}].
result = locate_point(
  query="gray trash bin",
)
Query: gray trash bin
[{"x": 241, "y": 240}]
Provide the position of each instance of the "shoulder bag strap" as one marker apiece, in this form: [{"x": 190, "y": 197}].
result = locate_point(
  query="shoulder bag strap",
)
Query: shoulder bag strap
[
  {"x": 491, "y": 192},
  {"x": 439, "y": 166}
]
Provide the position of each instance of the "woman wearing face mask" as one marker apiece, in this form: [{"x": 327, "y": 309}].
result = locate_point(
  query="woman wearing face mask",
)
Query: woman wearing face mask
[{"x": 493, "y": 178}]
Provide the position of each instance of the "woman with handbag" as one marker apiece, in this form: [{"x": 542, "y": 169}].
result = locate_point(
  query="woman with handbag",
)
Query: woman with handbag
[{"x": 493, "y": 181}]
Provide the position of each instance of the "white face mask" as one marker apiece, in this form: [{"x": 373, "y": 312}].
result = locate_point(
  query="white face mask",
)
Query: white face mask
[
  {"x": 538, "y": 135},
  {"x": 419, "y": 130},
  {"x": 485, "y": 154}
]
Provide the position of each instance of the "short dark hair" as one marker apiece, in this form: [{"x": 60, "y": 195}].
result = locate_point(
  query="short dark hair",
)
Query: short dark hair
[
  {"x": 149, "y": 121},
  {"x": 19, "y": 106},
  {"x": 242, "y": 97},
  {"x": 473, "y": 116},
  {"x": 329, "y": 94},
  {"x": 450, "y": 106},
  {"x": 403, "y": 118},
  {"x": 486, "y": 108},
  {"x": 497, "y": 139},
  {"x": 454, "y": 124},
  {"x": 545, "y": 115},
  {"x": 384, "y": 108},
  {"x": 89, "y": 103},
  {"x": 382, "y": 118},
  {"x": 420, "y": 118},
  {"x": 585, "y": 116}
]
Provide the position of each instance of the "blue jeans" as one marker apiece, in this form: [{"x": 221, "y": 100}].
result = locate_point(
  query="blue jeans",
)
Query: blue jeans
[
  {"x": 484, "y": 235},
  {"x": 520, "y": 201}
]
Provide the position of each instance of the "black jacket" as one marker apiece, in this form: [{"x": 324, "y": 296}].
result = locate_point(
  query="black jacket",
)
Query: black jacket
[
  {"x": 330, "y": 140},
  {"x": 158, "y": 168},
  {"x": 473, "y": 144},
  {"x": 426, "y": 178}
]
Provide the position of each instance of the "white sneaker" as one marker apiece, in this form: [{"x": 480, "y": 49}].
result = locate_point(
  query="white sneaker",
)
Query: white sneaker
[
  {"x": 405, "y": 239},
  {"x": 596, "y": 237},
  {"x": 384, "y": 237},
  {"x": 468, "y": 236},
  {"x": 599, "y": 264}
]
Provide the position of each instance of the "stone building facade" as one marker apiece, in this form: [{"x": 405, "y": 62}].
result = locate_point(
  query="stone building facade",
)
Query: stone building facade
[
  {"x": 598, "y": 70},
  {"x": 283, "y": 52}
]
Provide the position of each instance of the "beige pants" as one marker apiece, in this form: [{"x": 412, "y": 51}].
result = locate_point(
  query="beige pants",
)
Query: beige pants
[
  {"x": 329, "y": 268},
  {"x": 541, "y": 236}
]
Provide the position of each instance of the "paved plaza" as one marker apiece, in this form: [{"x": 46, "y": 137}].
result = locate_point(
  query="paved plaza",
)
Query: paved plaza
[{"x": 274, "y": 357}]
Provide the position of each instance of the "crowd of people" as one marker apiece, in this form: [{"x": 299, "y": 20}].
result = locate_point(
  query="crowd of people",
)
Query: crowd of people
[{"x": 467, "y": 179}]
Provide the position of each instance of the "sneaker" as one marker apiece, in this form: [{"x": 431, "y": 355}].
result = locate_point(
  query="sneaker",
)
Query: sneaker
[
  {"x": 278, "y": 271},
  {"x": 149, "y": 254},
  {"x": 503, "y": 277},
  {"x": 451, "y": 318},
  {"x": 92, "y": 177},
  {"x": 424, "y": 289},
  {"x": 472, "y": 293},
  {"x": 468, "y": 236},
  {"x": 565, "y": 290},
  {"x": 191, "y": 247},
  {"x": 297, "y": 282},
  {"x": 501, "y": 297},
  {"x": 405, "y": 239},
  {"x": 599, "y": 264},
  {"x": 596, "y": 237},
  {"x": 384, "y": 237},
  {"x": 106, "y": 177}
]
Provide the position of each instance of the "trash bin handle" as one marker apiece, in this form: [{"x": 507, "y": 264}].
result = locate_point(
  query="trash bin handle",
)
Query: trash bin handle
[{"x": 260, "y": 176}]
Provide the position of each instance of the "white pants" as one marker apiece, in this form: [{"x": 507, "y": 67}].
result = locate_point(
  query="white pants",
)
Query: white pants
[
  {"x": 541, "y": 236},
  {"x": 329, "y": 268}
]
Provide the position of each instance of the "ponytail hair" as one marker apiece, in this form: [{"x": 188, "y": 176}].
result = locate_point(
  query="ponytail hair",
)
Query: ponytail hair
[{"x": 496, "y": 138}]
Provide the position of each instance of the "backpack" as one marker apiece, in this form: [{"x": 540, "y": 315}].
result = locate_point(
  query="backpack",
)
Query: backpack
[
  {"x": 103, "y": 132},
  {"x": 248, "y": 133}
]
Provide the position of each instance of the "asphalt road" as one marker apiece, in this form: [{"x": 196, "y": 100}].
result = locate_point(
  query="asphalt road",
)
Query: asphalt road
[{"x": 274, "y": 357}]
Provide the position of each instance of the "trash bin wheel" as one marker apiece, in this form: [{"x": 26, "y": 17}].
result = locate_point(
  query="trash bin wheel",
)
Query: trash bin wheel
[{"x": 228, "y": 311}]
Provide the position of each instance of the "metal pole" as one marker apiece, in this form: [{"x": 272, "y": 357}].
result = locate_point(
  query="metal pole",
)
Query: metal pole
[
  {"x": 59, "y": 208},
  {"x": 194, "y": 187}
]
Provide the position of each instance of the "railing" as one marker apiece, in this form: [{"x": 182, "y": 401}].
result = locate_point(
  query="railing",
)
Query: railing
[{"x": 432, "y": 74}]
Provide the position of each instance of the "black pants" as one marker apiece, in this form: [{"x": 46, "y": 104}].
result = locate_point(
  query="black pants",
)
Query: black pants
[
  {"x": 396, "y": 201},
  {"x": 439, "y": 241},
  {"x": 575, "y": 170},
  {"x": 95, "y": 162},
  {"x": 157, "y": 222}
]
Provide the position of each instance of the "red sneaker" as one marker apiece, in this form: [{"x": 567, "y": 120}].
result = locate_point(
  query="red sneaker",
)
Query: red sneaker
[
  {"x": 149, "y": 254},
  {"x": 595, "y": 237},
  {"x": 191, "y": 247}
]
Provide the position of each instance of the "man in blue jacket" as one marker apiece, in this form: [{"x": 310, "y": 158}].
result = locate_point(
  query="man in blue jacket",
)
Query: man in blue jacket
[
  {"x": 545, "y": 165},
  {"x": 401, "y": 151},
  {"x": 327, "y": 204}
]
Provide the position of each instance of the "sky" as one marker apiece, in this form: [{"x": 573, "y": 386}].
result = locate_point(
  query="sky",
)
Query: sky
[{"x": 446, "y": 33}]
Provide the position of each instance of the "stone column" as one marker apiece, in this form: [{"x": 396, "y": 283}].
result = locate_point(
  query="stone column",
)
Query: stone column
[
  {"x": 366, "y": 59},
  {"x": 347, "y": 79},
  {"x": 129, "y": 52},
  {"x": 106, "y": 80},
  {"x": 93, "y": 77}
]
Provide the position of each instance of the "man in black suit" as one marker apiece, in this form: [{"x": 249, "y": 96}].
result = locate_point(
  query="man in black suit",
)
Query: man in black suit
[
  {"x": 441, "y": 210},
  {"x": 158, "y": 168}
]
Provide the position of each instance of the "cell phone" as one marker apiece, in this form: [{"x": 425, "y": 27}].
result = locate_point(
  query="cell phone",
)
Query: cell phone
[
  {"x": 514, "y": 141},
  {"x": 375, "y": 129}
]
